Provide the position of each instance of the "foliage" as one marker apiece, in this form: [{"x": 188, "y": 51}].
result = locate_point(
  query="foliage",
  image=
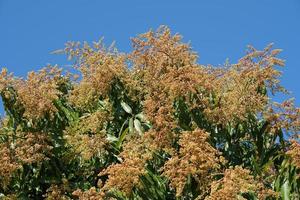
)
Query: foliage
[{"x": 149, "y": 124}]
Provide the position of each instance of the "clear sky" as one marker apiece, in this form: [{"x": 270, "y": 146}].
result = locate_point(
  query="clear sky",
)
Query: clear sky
[{"x": 217, "y": 29}]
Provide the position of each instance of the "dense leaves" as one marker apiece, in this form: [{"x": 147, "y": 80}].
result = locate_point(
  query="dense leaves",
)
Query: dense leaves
[{"x": 150, "y": 124}]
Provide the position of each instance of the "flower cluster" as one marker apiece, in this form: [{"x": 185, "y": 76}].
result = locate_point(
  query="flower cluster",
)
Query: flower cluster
[
  {"x": 125, "y": 175},
  {"x": 242, "y": 88},
  {"x": 284, "y": 116},
  {"x": 38, "y": 92},
  {"x": 55, "y": 192},
  {"x": 98, "y": 68},
  {"x": 236, "y": 182},
  {"x": 91, "y": 194},
  {"x": 196, "y": 157},
  {"x": 5, "y": 79},
  {"x": 22, "y": 148},
  {"x": 165, "y": 69},
  {"x": 87, "y": 136},
  {"x": 294, "y": 153}
]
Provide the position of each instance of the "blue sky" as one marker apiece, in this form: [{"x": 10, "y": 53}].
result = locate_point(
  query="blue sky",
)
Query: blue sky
[{"x": 217, "y": 29}]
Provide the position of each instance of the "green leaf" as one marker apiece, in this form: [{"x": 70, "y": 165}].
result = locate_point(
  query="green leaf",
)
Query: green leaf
[
  {"x": 121, "y": 138},
  {"x": 58, "y": 51},
  {"x": 285, "y": 190},
  {"x": 112, "y": 138},
  {"x": 141, "y": 117},
  {"x": 226, "y": 146},
  {"x": 138, "y": 126},
  {"x": 126, "y": 107},
  {"x": 130, "y": 125}
]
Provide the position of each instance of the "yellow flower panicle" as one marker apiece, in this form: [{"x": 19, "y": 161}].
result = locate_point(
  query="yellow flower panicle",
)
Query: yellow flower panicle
[
  {"x": 98, "y": 69},
  {"x": 38, "y": 92},
  {"x": 235, "y": 182},
  {"x": 196, "y": 157},
  {"x": 294, "y": 153},
  {"x": 87, "y": 136},
  {"x": 125, "y": 175}
]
